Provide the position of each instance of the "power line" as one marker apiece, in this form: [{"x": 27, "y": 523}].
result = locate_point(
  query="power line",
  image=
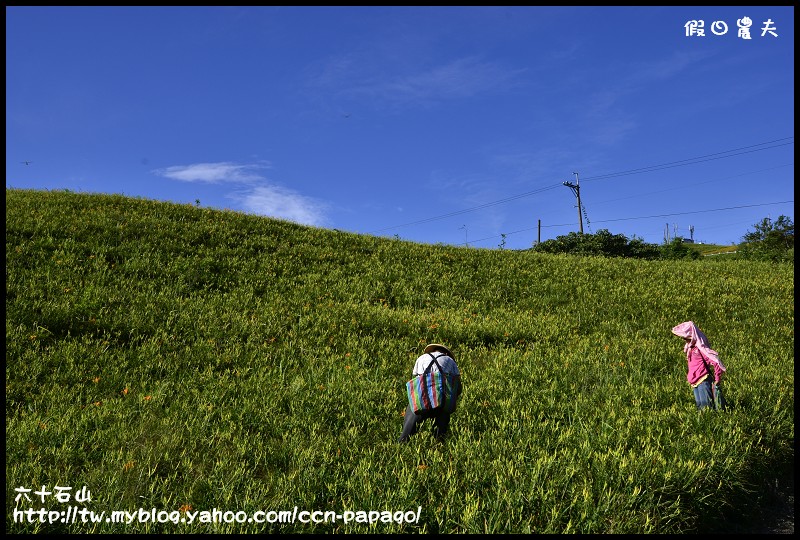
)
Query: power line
[
  {"x": 641, "y": 217},
  {"x": 459, "y": 212},
  {"x": 696, "y": 211},
  {"x": 692, "y": 161},
  {"x": 680, "y": 163},
  {"x": 694, "y": 184}
]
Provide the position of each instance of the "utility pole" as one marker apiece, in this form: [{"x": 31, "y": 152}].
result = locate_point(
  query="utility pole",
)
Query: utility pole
[
  {"x": 466, "y": 240},
  {"x": 539, "y": 233},
  {"x": 576, "y": 188}
]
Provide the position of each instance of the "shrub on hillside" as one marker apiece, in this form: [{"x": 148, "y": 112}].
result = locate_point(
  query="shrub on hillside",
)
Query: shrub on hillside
[
  {"x": 601, "y": 243},
  {"x": 677, "y": 249},
  {"x": 770, "y": 241}
]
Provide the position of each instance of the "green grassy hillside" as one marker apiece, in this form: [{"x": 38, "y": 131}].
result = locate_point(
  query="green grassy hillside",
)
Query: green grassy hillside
[
  {"x": 173, "y": 360},
  {"x": 709, "y": 250}
]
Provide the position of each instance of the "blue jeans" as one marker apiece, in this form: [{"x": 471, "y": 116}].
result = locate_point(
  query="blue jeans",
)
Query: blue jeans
[{"x": 704, "y": 395}]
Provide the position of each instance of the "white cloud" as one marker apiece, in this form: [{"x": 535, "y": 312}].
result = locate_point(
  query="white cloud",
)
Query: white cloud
[
  {"x": 213, "y": 173},
  {"x": 279, "y": 202},
  {"x": 459, "y": 78},
  {"x": 258, "y": 196}
]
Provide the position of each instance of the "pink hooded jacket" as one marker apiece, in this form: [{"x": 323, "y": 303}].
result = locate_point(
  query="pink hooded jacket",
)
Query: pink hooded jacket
[{"x": 700, "y": 341}]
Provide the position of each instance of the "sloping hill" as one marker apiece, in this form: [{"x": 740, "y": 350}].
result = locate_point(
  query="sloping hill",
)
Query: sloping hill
[{"x": 183, "y": 359}]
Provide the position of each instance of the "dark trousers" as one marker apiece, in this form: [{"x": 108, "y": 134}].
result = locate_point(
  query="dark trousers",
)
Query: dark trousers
[{"x": 412, "y": 421}]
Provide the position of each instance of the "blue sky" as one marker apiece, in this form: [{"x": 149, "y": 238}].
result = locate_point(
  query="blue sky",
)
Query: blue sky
[{"x": 431, "y": 124}]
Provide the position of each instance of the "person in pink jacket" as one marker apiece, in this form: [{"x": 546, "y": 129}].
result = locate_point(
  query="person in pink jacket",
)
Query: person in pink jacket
[{"x": 704, "y": 366}]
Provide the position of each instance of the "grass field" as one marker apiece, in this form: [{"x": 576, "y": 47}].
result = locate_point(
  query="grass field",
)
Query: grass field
[
  {"x": 709, "y": 250},
  {"x": 173, "y": 360}
]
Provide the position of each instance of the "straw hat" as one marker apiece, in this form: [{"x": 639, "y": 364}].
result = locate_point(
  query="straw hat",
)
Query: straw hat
[{"x": 437, "y": 347}]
